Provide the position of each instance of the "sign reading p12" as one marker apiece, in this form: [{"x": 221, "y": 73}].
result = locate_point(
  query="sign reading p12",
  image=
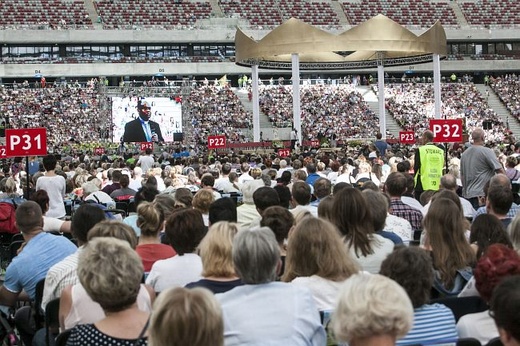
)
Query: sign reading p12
[
  {"x": 26, "y": 142},
  {"x": 145, "y": 145},
  {"x": 446, "y": 131},
  {"x": 284, "y": 152},
  {"x": 216, "y": 142},
  {"x": 407, "y": 137}
]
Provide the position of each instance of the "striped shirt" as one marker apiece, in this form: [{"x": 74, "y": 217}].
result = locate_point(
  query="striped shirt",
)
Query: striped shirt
[{"x": 433, "y": 324}]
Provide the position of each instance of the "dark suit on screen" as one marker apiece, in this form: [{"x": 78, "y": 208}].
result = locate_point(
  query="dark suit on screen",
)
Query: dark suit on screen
[{"x": 134, "y": 131}]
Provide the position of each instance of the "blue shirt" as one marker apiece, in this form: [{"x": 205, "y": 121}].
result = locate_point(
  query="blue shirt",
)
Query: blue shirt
[
  {"x": 276, "y": 313},
  {"x": 432, "y": 324},
  {"x": 34, "y": 261}
]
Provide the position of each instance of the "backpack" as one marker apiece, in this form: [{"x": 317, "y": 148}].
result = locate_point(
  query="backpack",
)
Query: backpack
[{"x": 8, "y": 218}]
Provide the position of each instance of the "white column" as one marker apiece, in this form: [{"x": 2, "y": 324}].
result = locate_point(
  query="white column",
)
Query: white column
[
  {"x": 297, "y": 121},
  {"x": 256, "y": 106},
  {"x": 437, "y": 84},
  {"x": 381, "y": 93}
]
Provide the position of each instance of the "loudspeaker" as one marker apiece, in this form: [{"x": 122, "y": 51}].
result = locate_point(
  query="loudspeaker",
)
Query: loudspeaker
[{"x": 487, "y": 125}]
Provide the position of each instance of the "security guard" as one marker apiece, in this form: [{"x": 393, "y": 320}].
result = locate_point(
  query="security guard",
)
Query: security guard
[{"x": 428, "y": 165}]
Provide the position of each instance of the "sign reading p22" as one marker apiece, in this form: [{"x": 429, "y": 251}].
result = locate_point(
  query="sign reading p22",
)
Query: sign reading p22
[{"x": 216, "y": 142}]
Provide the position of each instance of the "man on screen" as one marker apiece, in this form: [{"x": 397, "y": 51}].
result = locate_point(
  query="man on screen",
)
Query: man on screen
[{"x": 143, "y": 129}]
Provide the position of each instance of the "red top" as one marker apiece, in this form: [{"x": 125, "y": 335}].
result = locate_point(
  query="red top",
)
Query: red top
[{"x": 150, "y": 253}]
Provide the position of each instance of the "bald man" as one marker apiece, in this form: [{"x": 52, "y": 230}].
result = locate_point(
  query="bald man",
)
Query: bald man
[{"x": 478, "y": 165}]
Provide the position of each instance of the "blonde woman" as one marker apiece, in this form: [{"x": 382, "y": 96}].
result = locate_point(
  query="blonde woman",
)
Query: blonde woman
[
  {"x": 186, "y": 317},
  {"x": 216, "y": 252},
  {"x": 318, "y": 259}
]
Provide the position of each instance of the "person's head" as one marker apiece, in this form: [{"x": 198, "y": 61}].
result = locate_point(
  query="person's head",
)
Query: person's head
[
  {"x": 149, "y": 219},
  {"x": 284, "y": 194},
  {"x": 145, "y": 193},
  {"x": 478, "y": 136},
  {"x": 216, "y": 250},
  {"x": 85, "y": 217},
  {"x": 223, "y": 209},
  {"x": 499, "y": 200},
  {"x": 207, "y": 180},
  {"x": 427, "y": 137},
  {"x": 396, "y": 184},
  {"x": 301, "y": 193},
  {"x": 29, "y": 217},
  {"x": 371, "y": 305},
  {"x": 448, "y": 182},
  {"x": 498, "y": 262},
  {"x": 111, "y": 272},
  {"x": 315, "y": 247},
  {"x": 279, "y": 220},
  {"x": 10, "y": 186},
  {"x": 412, "y": 268},
  {"x": 202, "y": 200},
  {"x": 511, "y": 162},
  {"x": 116, "y": 176},
  {"x": 184, "y": 230},
  {"x": 113, "y": 229},
  {"x": 183, "y": 198},
  {"x": 165, "y": 204},
  {"x": 264, "y": 198},
  {"x": 340, "y": 186},
  {"x": 352, "y": 215},
  {"x": 445, "y": 227},
  {"x": 124, "y": 181},
  {"x": 49, "y": 162},
  {"x": 256, "y": 255},
  {"x": 248, "y": 188},
  {"x": 183, "y": 316},
  {"x": 514, "y": 232},
  {"x": 486, "y": 230},
  {"x": 325, "y": 208},
  {"x": 379, "y": 208},
  {"x": 42, "y": 198},
  {"x": 505, "y": 310},
  {"x": 145, "y": 110},
  {"x": 285, "y": 178},
  {"x": 322, "y": 188}
]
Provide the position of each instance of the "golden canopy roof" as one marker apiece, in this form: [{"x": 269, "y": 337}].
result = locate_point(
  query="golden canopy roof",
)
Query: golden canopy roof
[{"x": 359, "y": 47}]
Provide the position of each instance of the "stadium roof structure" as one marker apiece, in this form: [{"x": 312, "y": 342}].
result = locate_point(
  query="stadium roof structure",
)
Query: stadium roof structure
[{"x": 378, "y": 40}]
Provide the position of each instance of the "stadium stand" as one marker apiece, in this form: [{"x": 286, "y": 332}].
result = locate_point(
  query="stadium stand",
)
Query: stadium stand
[
  {"x": 408, "y": 12},
  {"x": 489, "y": 12},
  {"x": 508, "y": 90},
  {"x": 258, "y": 12}
]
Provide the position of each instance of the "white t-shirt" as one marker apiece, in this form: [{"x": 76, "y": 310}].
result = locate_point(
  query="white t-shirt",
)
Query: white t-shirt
[
  {"x": 55, "y": 187},
  {"x": 382, "y": 247},
  {"x": 177, "y": 271},
  {"x": 324, "y": 291}
]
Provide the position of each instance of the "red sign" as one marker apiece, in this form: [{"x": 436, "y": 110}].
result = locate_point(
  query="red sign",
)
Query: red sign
[
  {"x": 406, "y": 137},
  {"x": 446, "y": 130},
  {"x": 284, "y": 152},
  {"x": 216, "y": 142},
  {"x": 26, "y": 142},
  {"x": 145, "y": 145},
  {"x": 3, "y": 152},
  {"x": 315, "y": 143},
  {"x": 99, "y": 151}
]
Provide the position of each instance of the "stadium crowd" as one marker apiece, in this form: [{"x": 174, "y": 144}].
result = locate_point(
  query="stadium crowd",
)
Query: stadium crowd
[
  {"x": 412, "y": 104},
  {"x": 508, "y": 89},
  {"x": 314, "y": 232}
]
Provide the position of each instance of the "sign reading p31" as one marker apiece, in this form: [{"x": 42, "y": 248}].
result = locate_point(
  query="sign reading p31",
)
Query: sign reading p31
[
  {"x": 26, "y": 142},
  {"x": 216, "y": 142},
  {"x": 446, "y": 131}
]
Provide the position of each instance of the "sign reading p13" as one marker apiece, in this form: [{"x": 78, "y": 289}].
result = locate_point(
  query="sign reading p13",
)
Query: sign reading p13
[
  {"x": 26, "y": 142},
  {"x": 216, "y": 142},
  {"x": 446, "y": 131}
]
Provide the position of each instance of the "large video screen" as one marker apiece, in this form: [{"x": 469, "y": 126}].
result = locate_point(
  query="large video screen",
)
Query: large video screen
[{"x": 164, "y": 111}]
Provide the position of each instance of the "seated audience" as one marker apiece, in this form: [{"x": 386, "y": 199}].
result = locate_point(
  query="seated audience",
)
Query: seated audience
[
  {"x": 216, "y": 253},
  {"x": 186, "y": 317},
  {"x": 371, "y": 310},
  {"x": 411, "y": 267},
  {"x": 318, "y": 259},
  {"x": 288, "y": 317},
  {"x": 111, "y": 273},
  {"x": 505, "y": 310},
  {"x": 184, "y": 232},
  {"x": 498, "y": 262}
]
